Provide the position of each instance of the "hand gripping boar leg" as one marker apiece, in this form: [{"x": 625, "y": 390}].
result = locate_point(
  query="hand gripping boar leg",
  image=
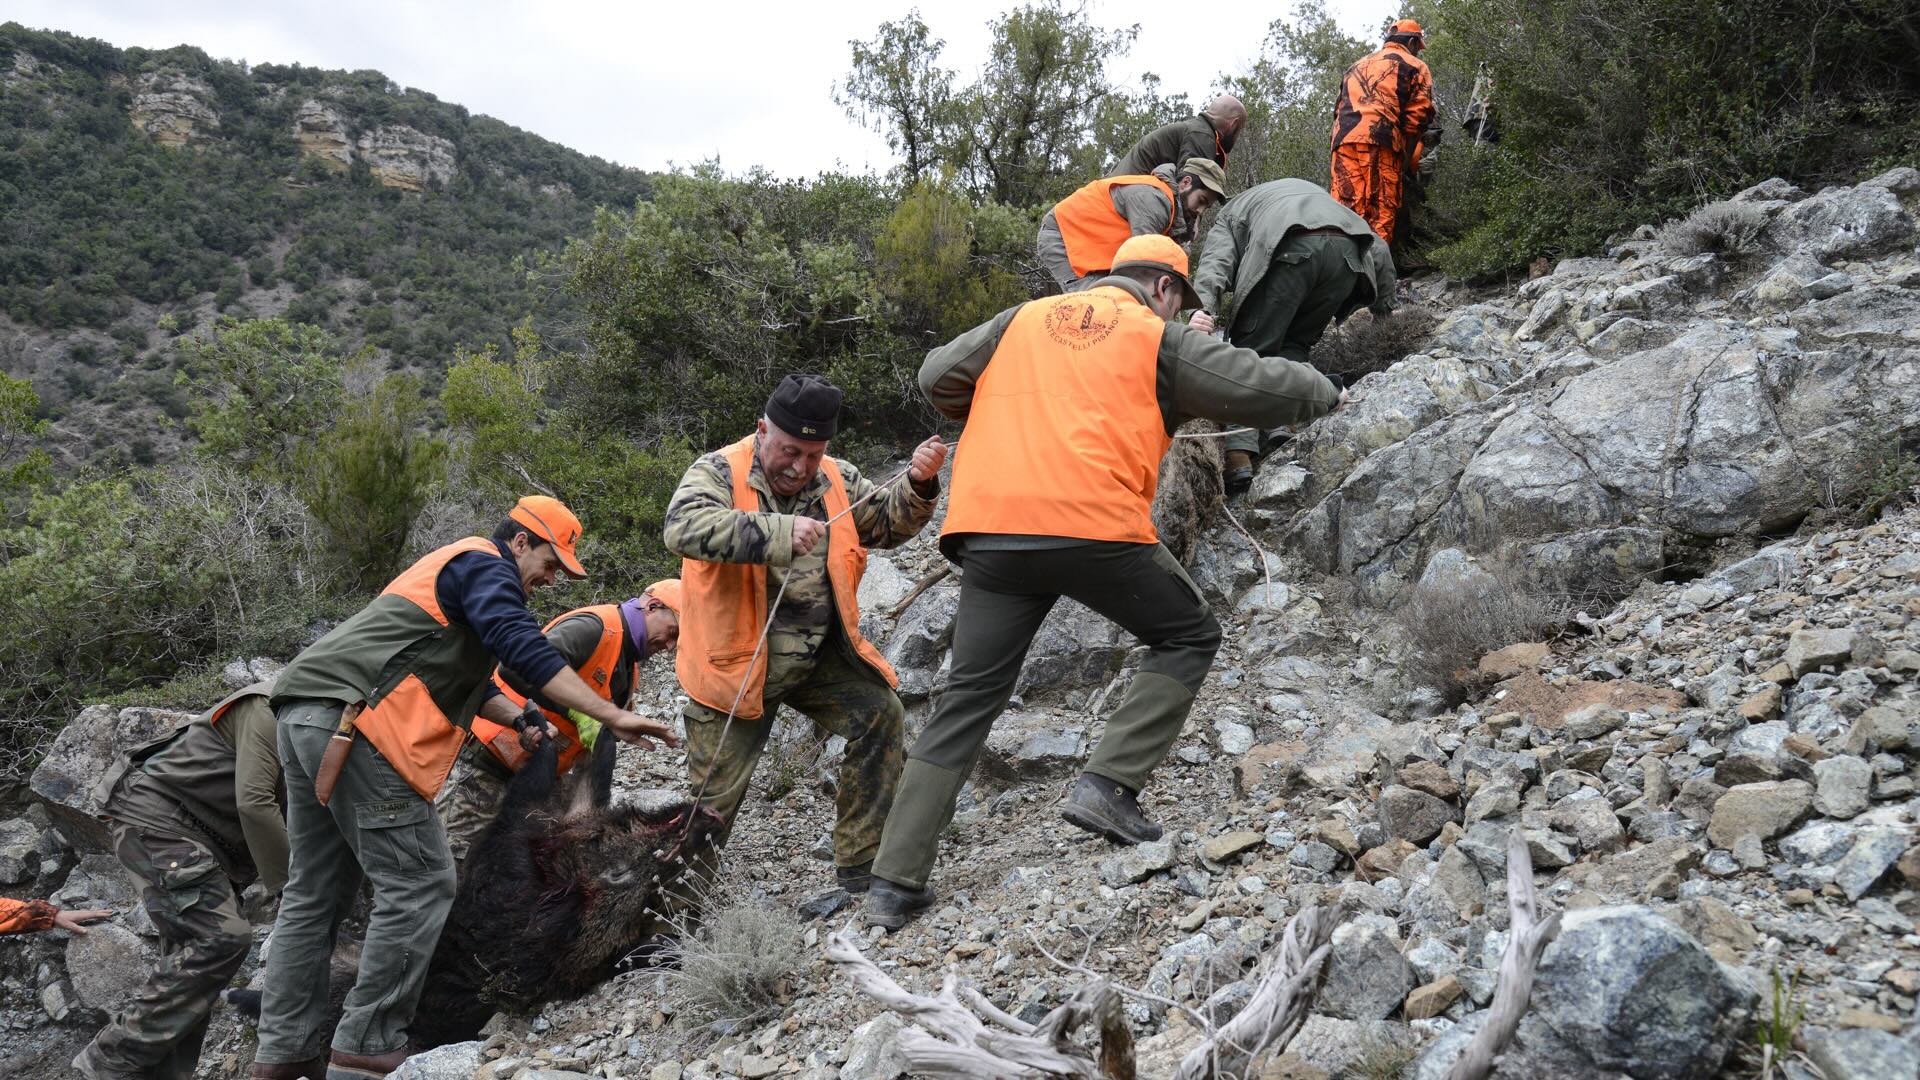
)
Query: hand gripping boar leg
[{"x": 557, "y": 891}]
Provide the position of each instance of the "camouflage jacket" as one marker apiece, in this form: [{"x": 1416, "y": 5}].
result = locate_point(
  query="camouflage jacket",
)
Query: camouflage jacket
[{"x": 702, "y": 524}]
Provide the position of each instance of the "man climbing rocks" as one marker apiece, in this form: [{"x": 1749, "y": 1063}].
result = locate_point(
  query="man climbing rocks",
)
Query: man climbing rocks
[
  {"x": 1295, "y": 260},
  {"x": 1080, "y": 234},
  {"x": 605, "y": 644},
  {"x": 1209, "y": 135},
  {"x": 1070, "y": 403},
  {"x": 755, "y": 524},
  {"x": 395, "y": 687},
  {"x": 1385, "y": 104},
  {"x": 196, "y": 817}
]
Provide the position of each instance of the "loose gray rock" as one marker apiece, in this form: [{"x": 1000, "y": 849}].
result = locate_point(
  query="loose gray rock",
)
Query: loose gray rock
[
  {"x": 1367, "y": 977},
  {"x": 1414, "y": 816},
  {"x": 1137, "y": 863},
  {"x": 1589, "y": 818},
  {"x": 454, "y": 1061},
  {"x": 107, "y": 964},
  {"x": 1624, "y": 990},
  {"x": 1864, "y": 1054},
  {"x": 1593, "y": 721},
  {"x": 1765, "y": 810},
  {"x": 1872, "y": 854},
  {"x": 1810, "y": 650},
  {"x": 871, "y": 1053},
  {"x": 1840, "y": 786}
]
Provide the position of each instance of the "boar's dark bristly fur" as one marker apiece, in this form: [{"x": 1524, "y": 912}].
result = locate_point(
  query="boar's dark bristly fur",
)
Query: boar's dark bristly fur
[{"x": 555, "y": 894}]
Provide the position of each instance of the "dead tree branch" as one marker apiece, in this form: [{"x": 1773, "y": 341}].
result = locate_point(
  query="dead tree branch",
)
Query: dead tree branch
[
  {"x": 919, "y": 587},
  {"x": 1279, "y": 1004},
  {"x": 1528, "y": 937},
  {"x": 949, "y": 1040}
]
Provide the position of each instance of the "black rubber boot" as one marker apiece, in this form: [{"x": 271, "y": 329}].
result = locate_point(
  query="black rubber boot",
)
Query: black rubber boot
[
  {"x": 854, "y": 879},
  {"x": 894, "y": 906},
  {"x": 1108, "y": 808}
]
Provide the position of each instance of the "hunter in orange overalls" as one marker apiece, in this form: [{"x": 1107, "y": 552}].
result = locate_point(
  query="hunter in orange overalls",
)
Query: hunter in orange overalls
[{"x": 1386, "y": 102}]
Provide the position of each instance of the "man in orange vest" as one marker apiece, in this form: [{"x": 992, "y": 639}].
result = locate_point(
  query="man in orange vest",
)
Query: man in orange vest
[
  {"x": 395, "y": 687},
  {"x": 1070, "y": 402},
  {"x": 755, "y": 523},
  {"x": 605, "y": 643},
  {"x": 1385, "y": 104},
  {"x": 1080, "y": 234}
]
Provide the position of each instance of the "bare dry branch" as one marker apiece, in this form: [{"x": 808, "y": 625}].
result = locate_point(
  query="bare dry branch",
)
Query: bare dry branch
[
  {"x": 1279, "y": 1004},
  {"x": 1528, "y": 938}
]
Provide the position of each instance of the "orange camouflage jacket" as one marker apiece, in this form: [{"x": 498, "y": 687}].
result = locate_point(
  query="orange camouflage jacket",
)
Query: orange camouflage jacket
[
  {"x": 25, "y": 916},
  {"x": 1386, "y": 99}
]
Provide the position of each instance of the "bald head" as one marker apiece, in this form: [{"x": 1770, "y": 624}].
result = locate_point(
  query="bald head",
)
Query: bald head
[{"x": 1227, "y": 114}]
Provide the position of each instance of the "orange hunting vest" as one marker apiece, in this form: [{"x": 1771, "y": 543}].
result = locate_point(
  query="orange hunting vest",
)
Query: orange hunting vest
[
  {"x": 725, "y": 604},
  {"x": 1092, "y": 229},
  {"x": 416, "y": 722},
  {"x": 1065, "y": 434},
  {"x": 597, "y": 674}
]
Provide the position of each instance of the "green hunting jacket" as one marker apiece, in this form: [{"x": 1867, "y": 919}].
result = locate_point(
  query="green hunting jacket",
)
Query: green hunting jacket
[{"x": 1246, "y": 232}]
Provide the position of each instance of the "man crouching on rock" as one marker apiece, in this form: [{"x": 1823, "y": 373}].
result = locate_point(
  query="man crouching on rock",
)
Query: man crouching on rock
[
  {"x": 605, "y": 644},
  {"x": 1070, "y": 403},
  {"x": 755, "y": 525},
  {"x": 196, "y": 817}
]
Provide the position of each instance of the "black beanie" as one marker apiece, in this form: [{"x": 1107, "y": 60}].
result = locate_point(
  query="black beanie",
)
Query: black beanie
[{"x": 805, "y": 407}]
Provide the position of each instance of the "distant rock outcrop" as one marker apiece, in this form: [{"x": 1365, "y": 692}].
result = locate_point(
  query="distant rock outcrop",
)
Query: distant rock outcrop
[
  {"x": 398, "y": 156},
  {"x": 172, "y": 109}
]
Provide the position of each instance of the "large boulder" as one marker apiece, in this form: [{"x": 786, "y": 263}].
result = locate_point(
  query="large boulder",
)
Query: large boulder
[
  {"x": 1726, "y": 429},
  {"x": 1622, "y": 990},
  {"x": 75, "y": 778}
]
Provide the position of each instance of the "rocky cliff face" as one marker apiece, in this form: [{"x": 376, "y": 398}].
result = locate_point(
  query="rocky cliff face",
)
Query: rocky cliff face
[
  {"x": 173, "y": 109},
  {"x": 398, "y": 156},
  {"x": 1619, "y": 413}
]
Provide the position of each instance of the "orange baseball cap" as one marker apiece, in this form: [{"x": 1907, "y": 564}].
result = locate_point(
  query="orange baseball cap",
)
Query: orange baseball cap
[
  {"x": 1159, "y": 252},
  {"x": 550, "y": 520},
  {"x": 1408, "y": 26},
  {"x": 667, "y": 592}
]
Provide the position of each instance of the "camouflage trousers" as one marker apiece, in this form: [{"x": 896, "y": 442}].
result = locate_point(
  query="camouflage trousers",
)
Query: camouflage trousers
[
  {"x": 469, "y": 802},
  {"x": 193, "y": 904},
  {"x": 842, "y": 697}
]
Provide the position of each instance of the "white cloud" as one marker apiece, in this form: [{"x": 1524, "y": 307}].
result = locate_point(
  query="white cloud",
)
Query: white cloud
[{"x": 650, "y": 84}]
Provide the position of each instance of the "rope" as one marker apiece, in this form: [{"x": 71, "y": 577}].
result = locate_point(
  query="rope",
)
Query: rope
[
  {"x": 767, "y": 628},
  {"x": 1215, "y": 434}
]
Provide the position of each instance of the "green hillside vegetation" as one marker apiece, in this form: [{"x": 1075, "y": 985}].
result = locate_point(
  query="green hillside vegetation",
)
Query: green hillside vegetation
[
  {"x": 104, "y": 228},
  {"x": 354, "y": 373}
]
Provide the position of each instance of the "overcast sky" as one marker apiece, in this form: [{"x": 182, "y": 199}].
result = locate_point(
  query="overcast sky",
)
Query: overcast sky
[{"x": 650, "y": 84}]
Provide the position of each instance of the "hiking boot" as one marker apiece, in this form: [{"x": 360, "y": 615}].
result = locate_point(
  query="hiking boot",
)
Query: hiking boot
[
  {"x": 855, "y": 879},
  {"x": 1108, "y": 808},
  {"x": 345, "y": 1066},
  {"x": 1239, "y": 471},
  {"x": 312, "y": 1069},
  {"x": 893, "y": 906},
  {"x": 84, "y": 1064}
]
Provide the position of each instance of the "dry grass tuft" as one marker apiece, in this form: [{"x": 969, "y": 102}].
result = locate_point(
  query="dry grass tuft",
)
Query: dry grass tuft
[
  {"x": 1365, "y": 343},
  {"x": 1725, "y": 228},
  {"x": 738, "y": 965},
  {"x": 1449, "y": 628}
]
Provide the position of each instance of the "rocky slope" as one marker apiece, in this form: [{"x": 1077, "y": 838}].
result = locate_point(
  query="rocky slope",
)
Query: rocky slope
[{"x": 1709, "y": 759}]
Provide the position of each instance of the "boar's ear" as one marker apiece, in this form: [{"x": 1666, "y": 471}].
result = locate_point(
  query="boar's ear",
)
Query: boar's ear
[
  {"x": 534, "y": 782},
  {"x": 603, "y": 760}
]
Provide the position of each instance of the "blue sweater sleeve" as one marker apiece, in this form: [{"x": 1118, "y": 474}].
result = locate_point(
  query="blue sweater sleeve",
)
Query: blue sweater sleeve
[{"x": 485, "y": 593}]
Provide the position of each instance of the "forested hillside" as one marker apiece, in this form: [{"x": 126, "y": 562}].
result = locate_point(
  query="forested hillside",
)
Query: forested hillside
[{"x": 144, "y": 192}]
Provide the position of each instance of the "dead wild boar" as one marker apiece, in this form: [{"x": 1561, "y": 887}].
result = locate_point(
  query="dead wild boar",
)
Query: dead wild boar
[{"x": 554, "y": 895}]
